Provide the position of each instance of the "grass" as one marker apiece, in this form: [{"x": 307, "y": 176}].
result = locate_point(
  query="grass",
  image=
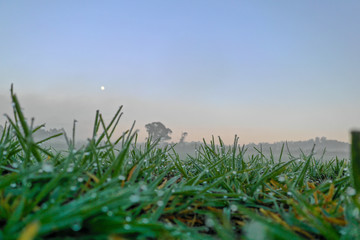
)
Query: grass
[{"x": 116, "y": 189}]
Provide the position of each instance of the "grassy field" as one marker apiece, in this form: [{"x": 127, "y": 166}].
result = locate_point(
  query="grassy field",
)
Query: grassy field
[{"x": 147, "y": 192}]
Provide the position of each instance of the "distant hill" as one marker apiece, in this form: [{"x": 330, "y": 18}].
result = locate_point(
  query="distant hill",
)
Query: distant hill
[{"x": 327, "y": 149}]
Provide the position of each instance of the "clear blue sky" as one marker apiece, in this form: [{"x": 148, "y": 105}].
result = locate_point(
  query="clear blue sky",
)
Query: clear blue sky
[{"x": 265, "y": 70}]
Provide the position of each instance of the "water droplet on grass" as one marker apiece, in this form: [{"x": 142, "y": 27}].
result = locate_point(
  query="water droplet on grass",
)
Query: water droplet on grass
[
  {"x": 350, "y": 191},
  {"x": 76, "y": 227},
  {"x": 160, "y": 203},
  {"x": 128, "y": 219},
  {"x": 121, "y": 177},
  {"x": 145, "y": 220},
  {"x": 127, "y": 227},
  {"x": 281, "y": 179},
  {"x": 47, "y": 167},
  {"x": 73, "y": 188},
  {"x": 13, "y": 185},
  {"x": 356, "y": 213},
  {"x": 160, "y": 193},
  {"x": 209, "y": 222},
  {"x": 110, "y": 213},
  {"x": 104, "y": 209},
  {"x": 134, "y": 198},
  {"x": 233, "y": 207}
]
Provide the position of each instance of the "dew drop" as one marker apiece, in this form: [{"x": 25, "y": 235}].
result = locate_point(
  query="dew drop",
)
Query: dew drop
[
  {"x": 121, "y": 178},
  {"x": 73, "y": 188},
  {"x": 160, "y": 203},
  {"x": 127, "y": 226},
  {"x": 76, "y": 227},
  {"x": 13, "y": 185},
  {"x": 145, "y": 220},
  {"x": 47, "y": 167},
  {"x": 104, "y": 209},
  {"x": 281, "y": 179},
  {"x": 110, "y": 213},
  {"x": 356, "y": 213},
  {"x": 160, "y": 193},
  {"x": 209, "y": 222},
  {"x": 233, "y": 207},
  {"x": 134, "y": 198},
  {"x": 350, "y": 191},
  {"x": 128, "y": 219},
  {"x": 15, "y": 165},
  {"x": 80, "y": 179}
]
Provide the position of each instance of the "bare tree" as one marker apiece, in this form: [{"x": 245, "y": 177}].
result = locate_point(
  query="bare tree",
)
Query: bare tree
[{"x": 183, "y": 136}]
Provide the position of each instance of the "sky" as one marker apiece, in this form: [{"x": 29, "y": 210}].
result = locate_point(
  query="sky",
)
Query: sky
[{"x": 267, "y": 71}]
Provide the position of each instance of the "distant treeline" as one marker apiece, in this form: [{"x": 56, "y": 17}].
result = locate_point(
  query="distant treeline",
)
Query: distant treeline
[{"x": 328, "y": 149}]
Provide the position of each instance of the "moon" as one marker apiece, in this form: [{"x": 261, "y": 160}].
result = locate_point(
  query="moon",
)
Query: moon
[{"x": 102, "y": 88}]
